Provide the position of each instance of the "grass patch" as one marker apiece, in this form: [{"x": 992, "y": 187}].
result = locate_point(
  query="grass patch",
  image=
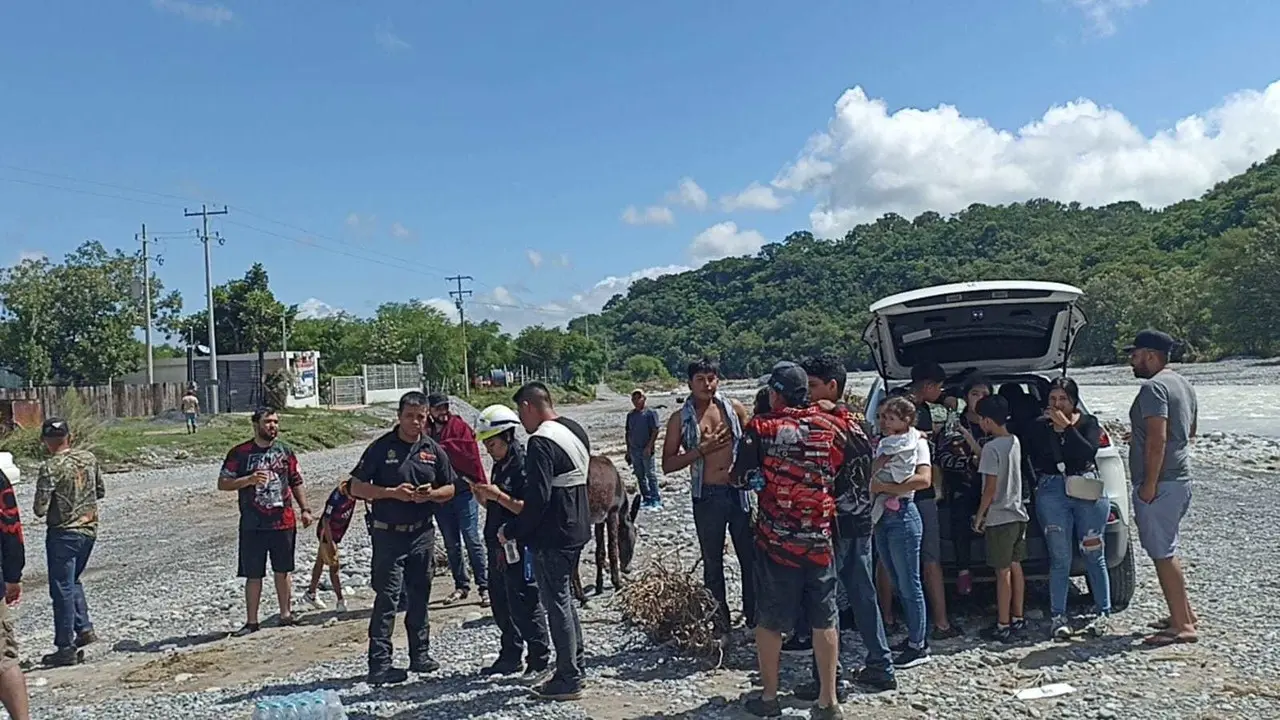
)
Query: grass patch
[
  {"x": 132, "y": 443},
  {"x": 483, "y": 397}
]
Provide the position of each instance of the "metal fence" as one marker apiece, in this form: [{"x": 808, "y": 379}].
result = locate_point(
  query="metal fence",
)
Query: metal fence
[
  {"x": 346, "y": 390},
  {"x": 386, "y": 383}
]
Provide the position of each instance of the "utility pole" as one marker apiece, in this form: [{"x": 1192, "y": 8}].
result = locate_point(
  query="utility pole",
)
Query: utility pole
[
  {"x": 284, "y": 341},
  {"x": 204, "y": 214},
  {"x": 146, "y": 306},
  {"x": 457, "y": 296}
]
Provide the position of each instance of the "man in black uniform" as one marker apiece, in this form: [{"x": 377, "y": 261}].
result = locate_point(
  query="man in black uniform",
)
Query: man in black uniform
[
  {"x": 555, "y": 521},
  {"x": 405, "y": 475}
]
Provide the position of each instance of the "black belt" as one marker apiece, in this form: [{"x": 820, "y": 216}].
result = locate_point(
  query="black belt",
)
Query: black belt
[{"x": 410, "y": 527}]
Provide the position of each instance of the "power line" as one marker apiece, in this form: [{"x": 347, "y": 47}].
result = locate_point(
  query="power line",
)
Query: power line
[
  {"x": 208, "y": 289},
  {"x": 457, "y": 296}
]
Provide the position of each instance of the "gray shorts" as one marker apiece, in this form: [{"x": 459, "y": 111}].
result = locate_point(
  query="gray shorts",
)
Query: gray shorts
[
  {"x": 782, "y": 591},
  {"x": 1160, "y": 520},
  {"x": 930, "y": 540}
]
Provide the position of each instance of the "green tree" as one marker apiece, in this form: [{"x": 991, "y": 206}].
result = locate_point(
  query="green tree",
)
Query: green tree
[
  {"x": 645, "y": 367},
  {"x": 399, "y": 332},
  {"x": 75, "y": 321},
  {"x": 1243, "y": 272}
]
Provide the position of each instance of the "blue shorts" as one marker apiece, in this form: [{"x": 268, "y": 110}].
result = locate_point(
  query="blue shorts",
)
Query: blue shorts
[{"x": 1160, "y": 521}]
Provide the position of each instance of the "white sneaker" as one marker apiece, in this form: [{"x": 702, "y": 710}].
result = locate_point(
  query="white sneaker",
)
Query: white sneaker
[
  {"x": 342, "y": 606},
  {"x": 1061, "y": 627},
  {"x": 314, "y": 602}
]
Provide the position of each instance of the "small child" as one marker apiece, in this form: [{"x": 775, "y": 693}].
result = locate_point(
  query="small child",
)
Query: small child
[
  {"x": 1002, "y": 517},
  {"x": 902, "y": 456},
  {"x": 897, "y": 454},
  {"x": 333, "y": 524}
]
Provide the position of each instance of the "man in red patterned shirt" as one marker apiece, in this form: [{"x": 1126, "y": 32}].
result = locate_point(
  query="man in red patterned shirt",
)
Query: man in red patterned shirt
[
  {"x": 264, "y": 471},
  {"x": 797, "y": 458}
]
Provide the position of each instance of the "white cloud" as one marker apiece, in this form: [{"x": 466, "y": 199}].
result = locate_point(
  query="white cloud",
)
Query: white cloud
[
  {"x": 724, "y": 240},
  {"x": 362, "y": 226},
  {"x": 1101, "y": 13},
  {"x": 689, "y": 194},
  {"x": 755, "y": 197},
  {"x": 207, "y": 13},
  {"x": 535, "y": 258},
  {"x": 315, "y": 309},
  {"x": 400, "y": 232},
  {"x": 652, "y": 215},
  {"x": 869, "y": 162},
  {"x": 564, "y": 260},
  {"x": 388, "y": 40},
  {"x": 445, "y": 306}
]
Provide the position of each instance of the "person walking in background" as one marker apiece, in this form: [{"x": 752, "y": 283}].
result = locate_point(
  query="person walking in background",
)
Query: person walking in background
[
  {"x": 1002, "y": 518},
  {"x": 334, "y": 521},
  {"x": 190, "y": 404},
  {"x": 642, "y": 436},
  {"x": 405, "y": 476},
  {"x": 703, "y": 436},
  {"x": 1163, "y": 423},
  {"x": 68, "y": 489},
  {"x": 264, "y": 473},
  {"x": 13, "y": 559},
  {"x": 555, "y": 520},
  {"x": 798, "y": 458},
  {"x": 1064, "y": 444},
  {"x": 517, "y": 609},
  {"x": 460, "y": 517}
]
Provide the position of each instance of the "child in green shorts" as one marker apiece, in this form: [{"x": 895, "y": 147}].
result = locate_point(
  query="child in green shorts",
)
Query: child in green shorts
[{"x": 1002, "y": 516}]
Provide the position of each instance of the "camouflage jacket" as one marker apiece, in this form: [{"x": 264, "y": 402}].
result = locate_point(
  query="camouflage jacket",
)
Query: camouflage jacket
[{"x": 67, "y": 491}]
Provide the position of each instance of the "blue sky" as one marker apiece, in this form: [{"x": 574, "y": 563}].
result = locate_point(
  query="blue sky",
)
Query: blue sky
[{"x": 557, "y": 150}]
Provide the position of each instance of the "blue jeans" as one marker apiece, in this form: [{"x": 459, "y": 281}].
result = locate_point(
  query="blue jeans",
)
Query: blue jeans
[
  {"x": 646, "y": 475},
  {"x": 856, "y": 569},
  {"x": 898, "y": 544},
  {"x": 460, "y": 522},
  {"x": 1067, "y": 522},
  {"x": 66, "y": 554}
]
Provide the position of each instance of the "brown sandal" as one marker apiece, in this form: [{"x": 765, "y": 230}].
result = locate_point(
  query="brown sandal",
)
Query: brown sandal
[{"x": 1165, "y": 638}]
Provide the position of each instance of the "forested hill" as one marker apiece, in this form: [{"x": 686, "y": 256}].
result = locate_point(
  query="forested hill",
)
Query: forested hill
[{"x": 1206, "y": 270}]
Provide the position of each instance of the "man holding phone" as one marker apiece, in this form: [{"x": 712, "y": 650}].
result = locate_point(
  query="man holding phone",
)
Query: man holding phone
[
  {"x": 264, "y": 471},
  {"x": 406, "y": 476}
]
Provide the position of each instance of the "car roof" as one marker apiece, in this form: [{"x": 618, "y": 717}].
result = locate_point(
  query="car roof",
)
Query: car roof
[{"x": 979, "y": 286}]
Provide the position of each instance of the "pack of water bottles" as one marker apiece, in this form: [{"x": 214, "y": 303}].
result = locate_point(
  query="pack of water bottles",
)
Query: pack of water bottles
[{"x": 324, "y": 705}]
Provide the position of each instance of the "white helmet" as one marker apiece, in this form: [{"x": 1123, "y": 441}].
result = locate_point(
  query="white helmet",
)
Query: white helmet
[{"x": 495, "y": 420}]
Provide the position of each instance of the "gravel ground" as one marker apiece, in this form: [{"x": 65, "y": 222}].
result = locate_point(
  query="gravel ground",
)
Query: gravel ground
[{"x": 162, "y": 591}]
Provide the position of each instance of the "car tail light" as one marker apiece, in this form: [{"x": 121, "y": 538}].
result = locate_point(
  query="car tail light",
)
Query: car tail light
[{"x": 1104, "y": 440}]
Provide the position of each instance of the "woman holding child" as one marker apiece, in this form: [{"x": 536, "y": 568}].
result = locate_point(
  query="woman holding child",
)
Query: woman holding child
[{"x": 1069, "y": 501}]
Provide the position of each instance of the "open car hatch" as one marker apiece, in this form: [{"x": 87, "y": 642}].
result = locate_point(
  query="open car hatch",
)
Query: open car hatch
[{"x": 1002, "y": 326}]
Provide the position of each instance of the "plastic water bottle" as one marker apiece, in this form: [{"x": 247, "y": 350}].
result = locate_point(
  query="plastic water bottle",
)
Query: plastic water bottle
[
  {"x": 290, "y": 710},
  {"x": 265, "y": 710},
  {"x": 333, "y": 706}
]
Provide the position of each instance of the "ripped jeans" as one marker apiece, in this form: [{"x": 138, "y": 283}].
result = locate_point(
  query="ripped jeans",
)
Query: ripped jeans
[{"x": 1068, "y": 523}]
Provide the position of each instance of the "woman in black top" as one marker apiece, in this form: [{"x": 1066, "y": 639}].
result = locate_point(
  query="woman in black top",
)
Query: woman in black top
[
  {"x": 1062, "y": 444},
  {"x": 517, "y": 609}
]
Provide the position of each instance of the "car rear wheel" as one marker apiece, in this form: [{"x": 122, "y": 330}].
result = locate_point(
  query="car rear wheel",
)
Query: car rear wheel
[{"x": 1123, "y": 581}]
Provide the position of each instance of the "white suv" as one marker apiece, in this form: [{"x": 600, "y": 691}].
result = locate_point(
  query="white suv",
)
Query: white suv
[{"x": 1018, "y": 332}]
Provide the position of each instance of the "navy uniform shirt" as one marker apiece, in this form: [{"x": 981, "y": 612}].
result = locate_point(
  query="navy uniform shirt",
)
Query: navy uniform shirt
[{"x": 390, "y": 461}]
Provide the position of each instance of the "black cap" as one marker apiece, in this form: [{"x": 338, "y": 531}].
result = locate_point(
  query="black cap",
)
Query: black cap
[
  {"x": 790, "y": 381},
  {"x": 1152, "y": 340},
  {"x": 436, "y": 399},
  {"x": 55, "y": 427},
  {"x": 928, "y": 371}
]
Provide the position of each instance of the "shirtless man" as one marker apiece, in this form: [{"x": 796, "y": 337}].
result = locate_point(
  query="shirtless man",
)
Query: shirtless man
[{"x": 703, "y": 436}]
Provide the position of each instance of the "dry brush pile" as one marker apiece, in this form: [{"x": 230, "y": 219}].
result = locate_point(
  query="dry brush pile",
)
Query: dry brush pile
[{"x": 671, "y": 606}]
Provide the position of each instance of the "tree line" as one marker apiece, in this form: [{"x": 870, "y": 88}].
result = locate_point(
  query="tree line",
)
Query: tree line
[
  {"x": 77, "y": 321},
  {"x": 1206, "y": 270}
]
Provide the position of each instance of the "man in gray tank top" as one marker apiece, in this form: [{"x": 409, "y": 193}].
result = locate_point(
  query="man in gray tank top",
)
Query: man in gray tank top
[{"x": 1163, "y": 421}]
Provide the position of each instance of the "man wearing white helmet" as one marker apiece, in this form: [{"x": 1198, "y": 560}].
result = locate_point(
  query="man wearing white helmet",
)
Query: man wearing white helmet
[{"x": 517, "y": 609}]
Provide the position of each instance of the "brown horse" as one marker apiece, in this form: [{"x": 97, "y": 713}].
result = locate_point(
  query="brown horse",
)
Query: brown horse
[{"x": 612, "y": 512}]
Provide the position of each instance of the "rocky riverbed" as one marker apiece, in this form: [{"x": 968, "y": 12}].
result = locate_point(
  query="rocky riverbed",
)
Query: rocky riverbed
[{"x": 162, "y": 592}]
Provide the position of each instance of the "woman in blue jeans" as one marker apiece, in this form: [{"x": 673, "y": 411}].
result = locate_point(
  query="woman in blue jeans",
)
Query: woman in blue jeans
[
  {"x": 1064, "y": 443},
  {"x": 899, "y": 529}
]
